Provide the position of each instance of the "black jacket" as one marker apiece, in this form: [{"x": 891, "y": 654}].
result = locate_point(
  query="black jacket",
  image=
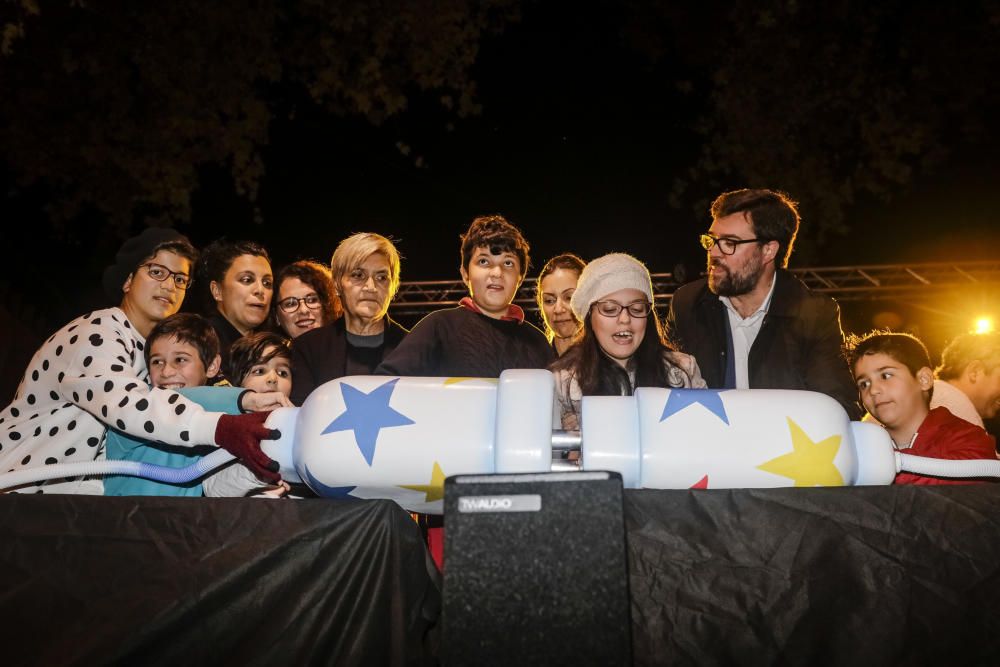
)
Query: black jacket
[
  {"x": 323, "y": 354},
  {"x": 799, "y": 345},
  {"x": 228, "y": 334}
]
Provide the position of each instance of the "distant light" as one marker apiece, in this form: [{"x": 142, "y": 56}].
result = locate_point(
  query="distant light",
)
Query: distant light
[{"x": 983, "y": 325}]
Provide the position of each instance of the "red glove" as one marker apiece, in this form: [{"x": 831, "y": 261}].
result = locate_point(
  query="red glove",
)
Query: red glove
[{"x": 240, "y": 435}]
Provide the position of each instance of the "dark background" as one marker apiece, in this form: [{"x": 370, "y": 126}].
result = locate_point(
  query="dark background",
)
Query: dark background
[{"x": 595, "y": 127}]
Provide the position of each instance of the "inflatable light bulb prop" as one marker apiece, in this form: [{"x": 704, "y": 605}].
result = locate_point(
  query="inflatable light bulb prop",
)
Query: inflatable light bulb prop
[{"x": 398, "y": 438}]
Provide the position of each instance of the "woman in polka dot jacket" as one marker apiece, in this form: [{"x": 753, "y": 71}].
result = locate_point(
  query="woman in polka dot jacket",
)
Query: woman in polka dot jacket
[{"x": 91, "y": 376}]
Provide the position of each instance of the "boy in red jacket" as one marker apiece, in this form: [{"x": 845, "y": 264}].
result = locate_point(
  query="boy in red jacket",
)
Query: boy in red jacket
[{"x": 895, "y": 382}]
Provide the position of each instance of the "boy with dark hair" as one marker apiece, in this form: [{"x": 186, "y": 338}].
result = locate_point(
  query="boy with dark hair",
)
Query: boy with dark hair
[
  {"x": 262, "y": 362},
  {"x": 895, "y": 384},
  {"x": 486, "y": 333},
  {"x": 259, "y": 362},
  {"x": 182, "y": 353}
]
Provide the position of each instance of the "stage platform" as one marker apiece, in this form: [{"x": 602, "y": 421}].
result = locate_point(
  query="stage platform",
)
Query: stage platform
[{"x": 873, "y": 576}]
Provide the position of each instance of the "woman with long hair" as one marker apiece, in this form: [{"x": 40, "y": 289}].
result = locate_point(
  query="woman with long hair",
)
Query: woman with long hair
[{"x": 622, "y": 345}]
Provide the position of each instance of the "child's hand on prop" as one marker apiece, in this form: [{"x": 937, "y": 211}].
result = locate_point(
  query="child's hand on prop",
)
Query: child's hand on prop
[
  {"x": 279, "y": 491},
  {"x": 254, "y": 401}
]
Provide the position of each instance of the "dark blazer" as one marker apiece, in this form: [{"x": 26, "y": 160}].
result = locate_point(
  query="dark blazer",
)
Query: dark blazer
[
  {"x": 322, "y": 354},
  {"x": 799, "y": 345}
]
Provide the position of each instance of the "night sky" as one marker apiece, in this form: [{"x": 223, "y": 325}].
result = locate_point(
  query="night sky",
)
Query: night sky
[{"x": 590, "y": 113}]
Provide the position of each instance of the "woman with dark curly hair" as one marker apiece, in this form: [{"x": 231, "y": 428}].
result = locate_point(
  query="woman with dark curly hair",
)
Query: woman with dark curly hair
[{"x": 304, "y": 298}]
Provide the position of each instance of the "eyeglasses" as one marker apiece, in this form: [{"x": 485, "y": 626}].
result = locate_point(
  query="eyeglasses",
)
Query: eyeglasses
[
  {"x": 726, "y": 245},
  {"x": 361, "y": 276},
  {"x": 613, "y": 308},
  {"x": 291, "y": 304},
  {"x": 159, "y": 273}
]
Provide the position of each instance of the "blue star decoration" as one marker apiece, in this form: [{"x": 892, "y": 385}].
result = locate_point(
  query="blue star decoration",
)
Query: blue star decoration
[
  {"x": 325, "y": 491},
  {"x": 366, "y": 415},
  {"x": 708, "y": 398}
]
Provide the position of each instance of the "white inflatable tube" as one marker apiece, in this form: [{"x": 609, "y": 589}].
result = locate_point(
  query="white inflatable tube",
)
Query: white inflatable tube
[
  {"x": 399, "y": 438},
  {"x": 921, "y": 465},
  {"x": 166, "y": 474}
]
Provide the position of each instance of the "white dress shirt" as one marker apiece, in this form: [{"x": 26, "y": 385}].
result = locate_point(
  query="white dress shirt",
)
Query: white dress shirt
[{"x": 744, "y": 331}]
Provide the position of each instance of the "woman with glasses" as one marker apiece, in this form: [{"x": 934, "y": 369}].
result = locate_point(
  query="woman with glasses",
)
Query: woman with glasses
[
  {"x": 623, "y": 345},
  {"x": 239, "y": 283},
  {"x": 365, "y": 278},
  {"x": 305, "y": 298}
]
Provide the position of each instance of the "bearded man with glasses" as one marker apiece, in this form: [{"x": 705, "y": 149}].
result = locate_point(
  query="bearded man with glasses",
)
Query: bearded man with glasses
[{"x": 750, "y": 323}]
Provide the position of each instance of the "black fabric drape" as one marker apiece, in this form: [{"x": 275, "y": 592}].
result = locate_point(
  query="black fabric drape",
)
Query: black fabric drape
[
  {"x": 853, "y": 576},
  {"x": 171, "y": 581},
  {"x": 850, "y": 576}
]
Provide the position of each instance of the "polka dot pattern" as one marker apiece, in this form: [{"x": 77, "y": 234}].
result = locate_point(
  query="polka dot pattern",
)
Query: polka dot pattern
[{"x": 89, "y": 376}]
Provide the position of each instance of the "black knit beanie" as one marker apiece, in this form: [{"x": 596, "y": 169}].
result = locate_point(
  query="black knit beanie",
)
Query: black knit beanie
[{"x": 132, "y": 253}]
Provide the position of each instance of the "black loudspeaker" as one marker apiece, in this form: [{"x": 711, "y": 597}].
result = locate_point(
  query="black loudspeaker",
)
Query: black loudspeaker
[{"x": 535, "y": 570}]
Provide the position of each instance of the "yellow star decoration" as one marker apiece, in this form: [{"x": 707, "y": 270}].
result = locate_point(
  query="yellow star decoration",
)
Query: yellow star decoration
[
  {"x": 435, "y": 489},
  {"x": 809, "y": 463},
  {"x": 449, "y": 381}
]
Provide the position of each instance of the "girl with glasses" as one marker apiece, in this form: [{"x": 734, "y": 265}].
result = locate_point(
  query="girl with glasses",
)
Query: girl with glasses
[
  {"x": 304, "y": 298},
  {"x": 622, "y": 345}
]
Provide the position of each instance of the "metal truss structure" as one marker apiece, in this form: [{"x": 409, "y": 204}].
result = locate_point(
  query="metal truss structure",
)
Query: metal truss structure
[{"x": 844, "y": 283}]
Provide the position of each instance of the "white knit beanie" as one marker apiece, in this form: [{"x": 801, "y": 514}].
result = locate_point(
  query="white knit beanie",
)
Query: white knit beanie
[{"x": 608, "y": 274}]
